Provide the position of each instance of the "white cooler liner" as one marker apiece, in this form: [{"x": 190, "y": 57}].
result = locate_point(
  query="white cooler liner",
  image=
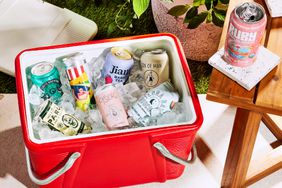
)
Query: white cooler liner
[{"x": 177, "y": 76}]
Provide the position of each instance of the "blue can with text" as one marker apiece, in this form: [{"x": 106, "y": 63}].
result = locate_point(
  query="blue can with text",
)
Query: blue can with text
[{"x": 118, "y": 64}]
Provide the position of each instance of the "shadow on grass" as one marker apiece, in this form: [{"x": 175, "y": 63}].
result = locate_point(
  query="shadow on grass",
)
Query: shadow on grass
[{"x": 7, "y": 83}]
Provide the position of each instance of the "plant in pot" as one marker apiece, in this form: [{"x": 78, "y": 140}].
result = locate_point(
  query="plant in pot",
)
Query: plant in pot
[
  {"x": 197, "y": 23},
  {"x": 127, "y": 12}
]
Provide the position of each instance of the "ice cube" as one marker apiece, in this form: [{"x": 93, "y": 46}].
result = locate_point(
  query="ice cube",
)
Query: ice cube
[
  {"x": 95, "y": 119},
  {"x": 47, "y": 133},
  {"x": 138, "y": 77},
  {"x": 34, "y": 95},
  {"x": 177, "y": 115},
  {"x": 95, "y": 66},
  {"x": 68, "y": 107}
]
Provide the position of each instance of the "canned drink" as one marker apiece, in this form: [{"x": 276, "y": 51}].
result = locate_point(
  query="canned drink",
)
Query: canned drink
[
  {"x": 79, "y": 81},
  {"x": 118, "y": 63},
  {"x": 57, "y": 119},
  {"x": 46, "y": 76},
  {"x": 111, "y": 107},
  {"x": 155, "y": 102},
  {"x": 155, "y": 67},
  {"x": 245, "y": 31}
]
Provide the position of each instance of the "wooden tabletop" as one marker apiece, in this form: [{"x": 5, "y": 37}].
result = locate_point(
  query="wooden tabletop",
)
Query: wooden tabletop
[{"x": 266, "y": 97}]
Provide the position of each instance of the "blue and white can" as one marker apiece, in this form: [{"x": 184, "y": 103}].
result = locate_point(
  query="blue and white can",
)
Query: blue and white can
[{"x": 118, "y": 64}]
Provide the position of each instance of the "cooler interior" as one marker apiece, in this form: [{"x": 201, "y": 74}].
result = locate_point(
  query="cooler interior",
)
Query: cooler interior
[{"x": 177, "y": 76}]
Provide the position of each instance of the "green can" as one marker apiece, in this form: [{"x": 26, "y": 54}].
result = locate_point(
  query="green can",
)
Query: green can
[{"x": 46, "y": 76}]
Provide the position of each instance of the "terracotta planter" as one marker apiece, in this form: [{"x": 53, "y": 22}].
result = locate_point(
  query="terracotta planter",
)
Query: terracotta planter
[{"x": 199, "y": 44}]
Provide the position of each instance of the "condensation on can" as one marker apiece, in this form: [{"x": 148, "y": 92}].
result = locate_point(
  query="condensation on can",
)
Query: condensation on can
[{"x": 245, "y": 31}]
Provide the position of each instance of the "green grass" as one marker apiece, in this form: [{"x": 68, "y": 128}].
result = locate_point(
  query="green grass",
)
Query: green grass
[{"x": 103, "y": 14}]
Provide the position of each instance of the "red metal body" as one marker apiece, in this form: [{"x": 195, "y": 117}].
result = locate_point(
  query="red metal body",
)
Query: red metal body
[{"x": 117, "y": 159}]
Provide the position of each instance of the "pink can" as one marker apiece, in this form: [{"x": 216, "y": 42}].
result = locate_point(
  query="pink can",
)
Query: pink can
[
  {"x": 245, "y": 31},
  {"x": 111, "y": 107}
]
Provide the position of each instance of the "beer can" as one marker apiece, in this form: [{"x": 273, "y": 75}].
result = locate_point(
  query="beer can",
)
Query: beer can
[
  {"x": 111, "y": 107},
  {"x": 155, "y": 102},
  {"x": 155, "y": 67},
  {"x": 79, "y": 81},
  {"x": 244, "y": 34},
  {"x": 46, "y": 76},
  {"x": 57, "y": 119},
  {"x": 118, "y": 63}
]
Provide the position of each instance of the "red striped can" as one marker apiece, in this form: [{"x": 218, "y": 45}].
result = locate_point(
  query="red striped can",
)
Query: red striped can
[
  {"x": 245, "y": 31},
  {"x": 79, "y": 81}
]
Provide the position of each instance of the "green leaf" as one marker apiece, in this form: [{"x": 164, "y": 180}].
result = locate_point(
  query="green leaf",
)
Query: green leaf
[
  {"x": 219, "y": 14},
  {"x": 197, "y": 20},
  {"x": 190, "y": 14},
  {"x": 209, "y": 17},
  {"x": 111, "y": 28},
  {"x": 208, "y": 4},
  {"x": 140, "y": 6},
  {"x": 178, "y": 10},
  {"x": 216, "y": 20},
  {"x": 219, "y": 11},
  {"x": 224, "y": 1},
  {"x": 196, "y": 3}
]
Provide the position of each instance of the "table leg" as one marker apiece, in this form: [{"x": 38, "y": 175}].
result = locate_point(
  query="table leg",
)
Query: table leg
[{"x": 240, "y": 149}]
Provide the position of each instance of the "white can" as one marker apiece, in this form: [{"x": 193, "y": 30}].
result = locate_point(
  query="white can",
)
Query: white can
[
  {"x": 155, "y": 67},
  {"x": 118, "y": 64}
]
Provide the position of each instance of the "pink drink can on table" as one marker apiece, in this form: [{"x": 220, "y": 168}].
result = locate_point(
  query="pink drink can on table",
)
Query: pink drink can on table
[
  {"x": 111, "y": 107},
  {"x": 245, "y": 31}
]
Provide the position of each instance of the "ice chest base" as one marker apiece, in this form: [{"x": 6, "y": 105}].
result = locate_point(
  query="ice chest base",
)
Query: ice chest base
[{"x": 122, "y": 158}]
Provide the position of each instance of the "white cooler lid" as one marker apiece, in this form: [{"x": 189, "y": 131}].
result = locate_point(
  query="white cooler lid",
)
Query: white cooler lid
[{"x": 31, "y": 23}]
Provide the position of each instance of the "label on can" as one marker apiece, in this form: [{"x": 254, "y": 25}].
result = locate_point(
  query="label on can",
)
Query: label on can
[
  {"x": 245, "y": 31},
  {"x": 118, "y": 63},
  {"x": 79, "y": 82},
  {"x": 111, "y": 107},
  {"x": 57, "y": 119},
  {"x": 154, "y": 103},
  {"x": 46, "y": 76},
  {"x": 155, "y": 67}
]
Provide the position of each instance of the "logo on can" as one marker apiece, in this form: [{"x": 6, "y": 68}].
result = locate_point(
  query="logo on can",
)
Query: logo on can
[
  {"x": 155, "y": 67},
  {"x": 46, "y": 76},
  {"x": 245, "y": 31},
  {"x": 118, "y": 64}
]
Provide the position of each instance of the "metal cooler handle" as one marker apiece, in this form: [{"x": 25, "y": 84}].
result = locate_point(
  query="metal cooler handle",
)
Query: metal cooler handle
[
  {"x": 55, "y": 175},
  {"x": 174, "y": 158}
]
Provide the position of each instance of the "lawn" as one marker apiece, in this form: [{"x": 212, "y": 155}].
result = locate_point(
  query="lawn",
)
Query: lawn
[{"x": 103, "y": 13}]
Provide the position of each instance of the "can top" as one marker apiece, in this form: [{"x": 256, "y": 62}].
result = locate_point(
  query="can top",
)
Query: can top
[
  {"x": 74, "y": 60},
  {"x": 158, "y": 51},
  {"x": 42, "y": 68},
  {"x": 121, "y": 53},
  {"x": 250, "y": 12}
]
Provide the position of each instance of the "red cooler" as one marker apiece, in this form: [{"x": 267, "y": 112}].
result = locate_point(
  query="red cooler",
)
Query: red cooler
[{"x": 115, "y": 158}]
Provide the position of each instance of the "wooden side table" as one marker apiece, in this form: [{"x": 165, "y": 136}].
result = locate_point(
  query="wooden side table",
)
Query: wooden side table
[{"x": 252, "y": 107}]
